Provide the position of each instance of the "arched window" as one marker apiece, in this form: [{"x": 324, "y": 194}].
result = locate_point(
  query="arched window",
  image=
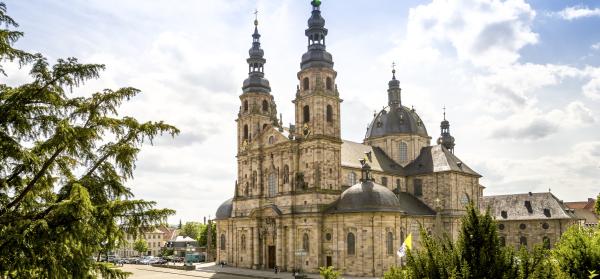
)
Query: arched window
[
  {"x": 265, "y": 126},
  {"x": 351, "y": 178},
  {"x": 523, "y": 241},
  {"x": 305, "y": 84},
  {"x": 254, "y": 179},
  {"x": 271, "y": 140},
  {"x": 329, "y": 113},
  {"x": 403, "y": 153},
  {"x": 328, "y": 83},
  {"x": 305, "y": 242},
  {"x": 286, "y": 174},
  {"x": 222, "y": 242},
  {"x": 245, "y": 132},
  {"x": 384, "y": 181},
  {"x": 502, "y": 241},
  {"x": 546, "y": 242},
  {"x": 265, "y": 106},
  {"x": 306, "y": 114},
  {"x": 246, "y": 106},
  {"x": 350, "y": 240},
  {"x": 272, "y": 184},
  {"x": 246, "y": 189},
  {"x": 389, "y": 243}
]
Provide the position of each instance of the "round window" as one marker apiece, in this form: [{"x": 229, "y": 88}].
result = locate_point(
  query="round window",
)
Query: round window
[
  {"x": 545, "y": 226},
  {"x": 501, "y": 226},
  {"x": 522, "y": 226},
  {"x": 328, "y": 236}
]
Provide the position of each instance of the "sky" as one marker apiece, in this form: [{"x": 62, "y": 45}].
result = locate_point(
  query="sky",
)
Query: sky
[{"x": 520, "y": 80}]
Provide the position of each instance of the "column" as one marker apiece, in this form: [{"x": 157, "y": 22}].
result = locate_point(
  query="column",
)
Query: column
[
  {"x": 255, "y": 247},
  {"x": 278, "y": 244}
]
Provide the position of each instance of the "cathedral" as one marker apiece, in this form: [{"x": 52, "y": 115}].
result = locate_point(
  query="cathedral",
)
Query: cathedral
[{"x": 306, "y": 198}]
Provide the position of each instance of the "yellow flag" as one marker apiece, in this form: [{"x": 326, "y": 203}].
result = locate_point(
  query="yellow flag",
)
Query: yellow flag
[{"x": 406, "y": 245}]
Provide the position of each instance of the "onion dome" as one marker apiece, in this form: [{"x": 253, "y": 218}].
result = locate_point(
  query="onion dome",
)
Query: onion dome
[
  {"x": 256, "y": 81},
  {"x": 224, "y": 210},
  {"x": 317, "y": 55},
  {"x": 367, "y": 196}
]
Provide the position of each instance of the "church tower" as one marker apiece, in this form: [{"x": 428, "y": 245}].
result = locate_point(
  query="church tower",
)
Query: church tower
[
  {"x": 445, "y": 138},
  {"x": 257, "y": 109},
  {"x": 317, "y": 110}
]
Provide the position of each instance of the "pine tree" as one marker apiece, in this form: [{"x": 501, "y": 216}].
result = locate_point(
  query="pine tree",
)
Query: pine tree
[{"x": 64, "y": 162}]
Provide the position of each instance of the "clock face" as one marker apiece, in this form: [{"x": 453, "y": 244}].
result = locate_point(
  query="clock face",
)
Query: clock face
[{"x": 464, "y": 199}]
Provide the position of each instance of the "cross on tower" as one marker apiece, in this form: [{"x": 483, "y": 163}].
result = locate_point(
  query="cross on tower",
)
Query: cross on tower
[
  {"x": 444, "y": 112},
  {"x": 255, "y": 14},
  {"x": 393, "y": 70}
]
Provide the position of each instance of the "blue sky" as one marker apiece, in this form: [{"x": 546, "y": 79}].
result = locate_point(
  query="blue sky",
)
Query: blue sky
[{"x": 520, "y": 79}]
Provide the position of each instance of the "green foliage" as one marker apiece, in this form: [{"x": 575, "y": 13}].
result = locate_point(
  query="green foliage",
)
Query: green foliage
[
  {"x": 329, "y": 272},
  {"x": 192, "y": 229},
  {"x": 141, "y": 246},
  {"x": 578, "y": 252},
  {"x": 395, "y": 273},
  {"x": 64, "y": 162},
  {"x": 478, "y": 254}
]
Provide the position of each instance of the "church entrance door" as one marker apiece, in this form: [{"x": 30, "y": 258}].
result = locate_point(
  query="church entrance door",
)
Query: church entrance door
[
  {"x": 328, "y": 260},
  {"x": 271, "y": 257}
]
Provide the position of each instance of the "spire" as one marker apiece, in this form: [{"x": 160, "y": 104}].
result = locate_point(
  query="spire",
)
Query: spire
[
  {"x": 445, "y": 138},
  {"x": 256, "y": 81},
  {"x": 316, "y": 56},
  {"x": 394, "y": 97}
]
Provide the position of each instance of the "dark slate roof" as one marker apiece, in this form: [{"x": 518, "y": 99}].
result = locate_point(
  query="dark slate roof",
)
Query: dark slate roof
[
  {"x": 516, "y": 207},
  {"x": 413, "y": 206},
  {"x": 224, "y": 210},
  {"x": 399, "y": 120},
  {"x": 437, "y": 159},
  {"x": 352, "y": 152},
  {"x": 369, "y": 196}
]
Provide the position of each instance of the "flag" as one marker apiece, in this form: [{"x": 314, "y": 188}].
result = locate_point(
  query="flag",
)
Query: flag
[{"x": 406, "y": 245}]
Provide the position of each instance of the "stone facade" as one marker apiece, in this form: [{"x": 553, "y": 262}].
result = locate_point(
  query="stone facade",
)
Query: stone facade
[{"x": 305, "y": 198}]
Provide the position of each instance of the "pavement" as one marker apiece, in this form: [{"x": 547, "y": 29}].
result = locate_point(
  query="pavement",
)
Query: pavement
[
  {"x": 253, "y": 273},
  {"x": 210, "y": 270}
]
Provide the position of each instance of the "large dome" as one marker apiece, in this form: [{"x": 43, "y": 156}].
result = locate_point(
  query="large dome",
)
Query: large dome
[
  {"x": 398, "y": 120},
  {"x": 224, "y": 210},
  {"x": 367, "y": 196}
]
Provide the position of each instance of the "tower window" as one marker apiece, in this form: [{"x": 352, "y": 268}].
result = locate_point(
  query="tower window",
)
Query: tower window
[
  {"x": 546, "y": 242},
  {"x": 329, "y": 113},
  {"x": 306, "y": 114},
  {"x": 328, "y": 83},
  {"x": 351, "y": 178},
  {"x": 222, "y": 242},
  {"x": 246, "y": 106},
  {"x": 418, "y": 185},
  {"x": 305, "y": 84},
  {"x": 403, "y": 152},
  {"x": 389, "y": 243},
  {"x": 265, "y": 106},
  {"x": 265, "y": 126},
  {"x": 246, "y": 132},
  {"x": 272, "y": 184},
  {"x": 384, "y": 181},
  {"x": 523, "y": 241},
  {"x": 271, "y": 140},
  {"x": 350, "y": 241}
]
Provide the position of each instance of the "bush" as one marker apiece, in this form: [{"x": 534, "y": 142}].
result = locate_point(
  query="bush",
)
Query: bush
[{"x": 329, "y": 272}]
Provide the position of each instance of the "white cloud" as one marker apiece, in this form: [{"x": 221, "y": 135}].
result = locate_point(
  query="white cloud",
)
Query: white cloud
[
  {"x": 485, "y": 33},
  {"x": 592, "y": 89},
  {"x": 571, "y": 13},
  {"x": 595, "y": 46}
]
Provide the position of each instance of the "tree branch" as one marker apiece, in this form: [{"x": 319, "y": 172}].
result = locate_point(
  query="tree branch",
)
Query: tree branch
[{"x": 31, "y": 183}]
